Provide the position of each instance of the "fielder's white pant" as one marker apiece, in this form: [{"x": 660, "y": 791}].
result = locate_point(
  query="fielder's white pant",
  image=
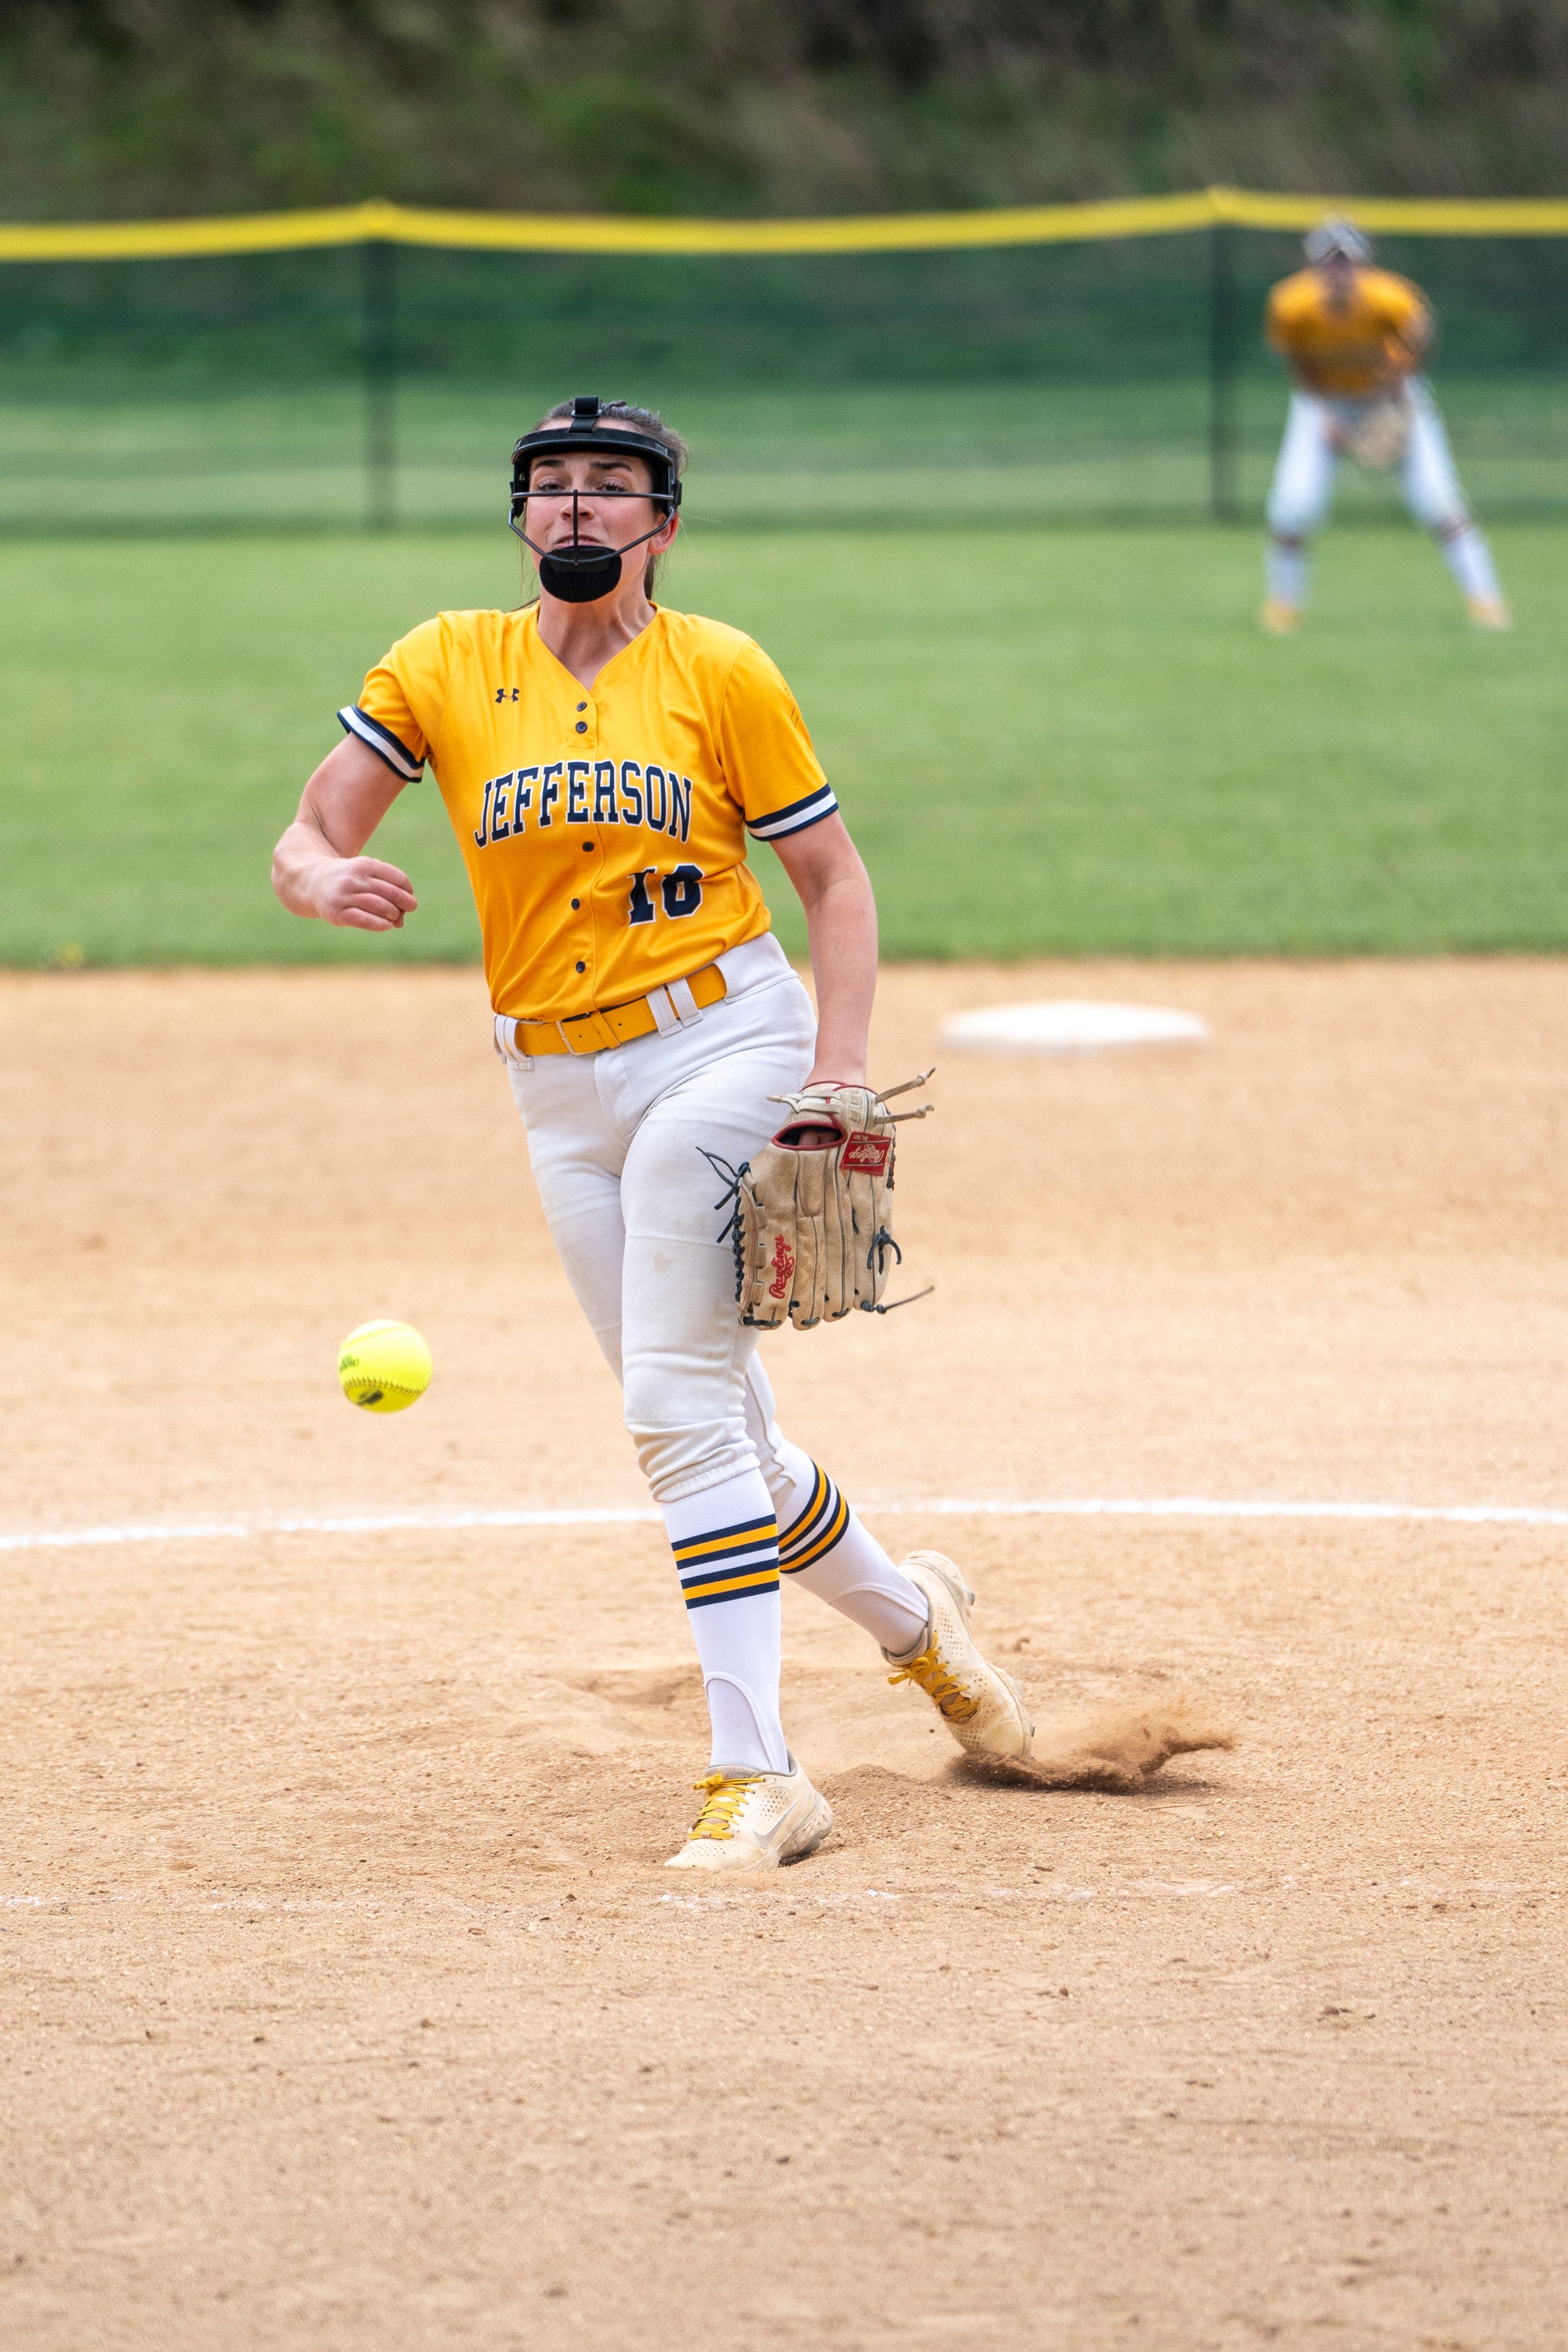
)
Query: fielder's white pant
[
  {"x": 616, "y": 1141},
  {"x": 1303, "y": 484}
]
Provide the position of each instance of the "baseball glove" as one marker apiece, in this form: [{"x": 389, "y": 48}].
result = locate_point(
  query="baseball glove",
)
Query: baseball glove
[
  {"x": 811, "y": 1217},
  {"x": 1379, "y": 439}
]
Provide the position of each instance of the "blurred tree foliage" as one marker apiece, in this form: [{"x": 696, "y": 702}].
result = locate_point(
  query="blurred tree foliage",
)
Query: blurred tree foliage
[{"x": 126, "y": 107}]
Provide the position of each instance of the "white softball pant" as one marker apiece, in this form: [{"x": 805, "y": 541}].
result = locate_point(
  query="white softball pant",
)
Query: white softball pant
[
  {"x": 1303, "y": 484},
  {"x": 616, "y": 1141}
]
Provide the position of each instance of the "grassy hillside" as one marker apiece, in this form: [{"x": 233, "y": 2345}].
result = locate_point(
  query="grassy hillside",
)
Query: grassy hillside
[{"x": 155, "y": 106}]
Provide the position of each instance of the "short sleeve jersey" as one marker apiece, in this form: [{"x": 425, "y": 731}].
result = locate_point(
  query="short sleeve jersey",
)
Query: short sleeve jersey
[
  {"x": 1351, "y": 352},
  {"x": 603, "y": 827}
]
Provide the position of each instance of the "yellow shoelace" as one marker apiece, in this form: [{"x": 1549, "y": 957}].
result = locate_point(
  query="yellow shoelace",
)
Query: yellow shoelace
[
  {"x": 725, "y": 1791},
  {"x": 951, "y": 1698}
]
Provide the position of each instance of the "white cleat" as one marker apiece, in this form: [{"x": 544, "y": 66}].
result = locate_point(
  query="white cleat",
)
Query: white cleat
[
  {"x": 754, "y": 1820},
  {"x": 981, "y": 1706}
]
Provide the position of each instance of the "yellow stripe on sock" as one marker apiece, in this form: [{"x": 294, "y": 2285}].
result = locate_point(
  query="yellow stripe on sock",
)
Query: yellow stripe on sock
[
  {"x": 802, "y": 1519},
  {"x": 823, "y": 1543},
  {"x": 728, "y": 1584},
  {"x": 743, "y": 1539}
]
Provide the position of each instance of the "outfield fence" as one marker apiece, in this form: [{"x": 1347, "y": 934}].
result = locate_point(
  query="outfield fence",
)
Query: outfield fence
[{"x": 368, "y": 366}]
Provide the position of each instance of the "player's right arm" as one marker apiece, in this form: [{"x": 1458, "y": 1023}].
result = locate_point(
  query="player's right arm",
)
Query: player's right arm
[
  {"x": 1283, "y": 332},
  {"x": 317, "y": 868}
]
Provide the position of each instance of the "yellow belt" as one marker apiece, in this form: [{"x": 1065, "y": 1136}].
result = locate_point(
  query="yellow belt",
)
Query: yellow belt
[{"x": 614, "y": 1024}]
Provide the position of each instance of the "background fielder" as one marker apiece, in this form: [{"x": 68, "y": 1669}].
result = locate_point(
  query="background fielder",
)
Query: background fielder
[
  {"x": 1353, "y": 339},
  {"x": 600, "y": 760}
]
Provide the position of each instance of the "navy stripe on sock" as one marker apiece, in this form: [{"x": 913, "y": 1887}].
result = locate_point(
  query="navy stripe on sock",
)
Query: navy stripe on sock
[
  {"x": 758, "y": 1572},
  {"x": 747, "y": 1593},
  {"x": 713, "y": 1540},
  {"x": 819, "y": 1528},
  {"x": 728, "y": 1563}
]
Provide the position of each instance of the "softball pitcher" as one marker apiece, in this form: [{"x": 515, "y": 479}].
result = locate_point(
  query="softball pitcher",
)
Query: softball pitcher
[
  {"x": 602, "y": 759},
  {"x": 1353, "y": 339}
]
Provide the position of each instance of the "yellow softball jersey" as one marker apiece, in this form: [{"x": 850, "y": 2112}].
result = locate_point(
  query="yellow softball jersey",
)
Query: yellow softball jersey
[
  {"x": 1348, "y": 354},
  {"x": 603, "y": 827}
]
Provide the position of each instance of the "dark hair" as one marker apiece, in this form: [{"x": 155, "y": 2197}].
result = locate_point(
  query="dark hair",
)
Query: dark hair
[{"x": 648, "y": 422}]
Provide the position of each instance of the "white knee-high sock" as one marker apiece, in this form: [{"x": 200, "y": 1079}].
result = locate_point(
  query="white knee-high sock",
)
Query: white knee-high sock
[
  {"x": 825, "y": 1547},
  {"x": 726, "y": 1547},
  {"x": 1285, "y": 572},
  {"x": 1470, "y": 559}
]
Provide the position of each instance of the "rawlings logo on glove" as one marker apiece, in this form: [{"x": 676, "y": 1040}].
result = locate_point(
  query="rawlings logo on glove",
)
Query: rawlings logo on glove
[
  {"x": 811, "y": 1217},
  {"x": 783, "y": 1266},
  {"x": 868, "y": 1155}
]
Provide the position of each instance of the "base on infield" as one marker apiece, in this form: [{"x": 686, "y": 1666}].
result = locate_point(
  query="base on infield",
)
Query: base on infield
[{"x": 1067, "y": 1024}]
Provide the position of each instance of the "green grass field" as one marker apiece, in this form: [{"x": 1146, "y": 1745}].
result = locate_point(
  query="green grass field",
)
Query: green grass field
[
  {"x": 1071, "y": 741},
  {"x": 115, "y": 452}
]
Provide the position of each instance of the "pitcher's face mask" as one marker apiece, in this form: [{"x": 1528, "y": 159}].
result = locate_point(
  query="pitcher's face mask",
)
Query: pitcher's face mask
[{"x": 580, "y": 571}]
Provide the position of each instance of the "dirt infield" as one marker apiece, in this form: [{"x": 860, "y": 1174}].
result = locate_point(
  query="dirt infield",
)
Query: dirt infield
[{"x": 345, "y": 2002}]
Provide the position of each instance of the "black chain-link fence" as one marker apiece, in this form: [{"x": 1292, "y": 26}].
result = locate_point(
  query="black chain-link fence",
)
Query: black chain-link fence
[{"x": 382, "y": 385}]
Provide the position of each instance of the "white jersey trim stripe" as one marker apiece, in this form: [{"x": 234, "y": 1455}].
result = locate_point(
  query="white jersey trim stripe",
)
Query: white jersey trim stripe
[
  {"x": 382, "y": 742},
  {"x": 822, "y": 803}
]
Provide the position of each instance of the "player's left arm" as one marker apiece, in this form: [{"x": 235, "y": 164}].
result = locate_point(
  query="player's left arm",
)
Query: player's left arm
[
  {"x": 835, "y": 889},
  {"x": 1409, "y": 338}
]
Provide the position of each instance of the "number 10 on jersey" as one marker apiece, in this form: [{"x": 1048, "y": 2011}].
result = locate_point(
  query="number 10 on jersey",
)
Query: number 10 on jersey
[{"x": 680, "y": 893}]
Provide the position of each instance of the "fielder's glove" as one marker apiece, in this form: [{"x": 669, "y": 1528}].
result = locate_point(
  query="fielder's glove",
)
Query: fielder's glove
[
  {"x": 1381, "y": 438},
  {"x": 812, "y": 1216}
]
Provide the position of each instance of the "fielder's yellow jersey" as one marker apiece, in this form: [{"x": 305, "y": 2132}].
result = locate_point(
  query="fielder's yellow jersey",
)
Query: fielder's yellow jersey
[
  {"x": 603, "y": 827},
  {"x": 1350, "y": 353}
]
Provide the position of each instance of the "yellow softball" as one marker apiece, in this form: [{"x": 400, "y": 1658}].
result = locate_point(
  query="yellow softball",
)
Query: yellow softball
[{"x": 384, "y": 1367}]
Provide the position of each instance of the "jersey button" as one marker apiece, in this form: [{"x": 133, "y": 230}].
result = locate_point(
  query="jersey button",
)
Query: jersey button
[
  {"x": 575, "y": 904},
  {"x": 581, "y": 967},
  {"x": 582, "y": 706},
  {"x": 582, "y": 726}
]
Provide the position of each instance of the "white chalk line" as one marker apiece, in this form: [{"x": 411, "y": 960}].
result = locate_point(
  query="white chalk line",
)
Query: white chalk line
[{"x": 1178, "y": 1506}]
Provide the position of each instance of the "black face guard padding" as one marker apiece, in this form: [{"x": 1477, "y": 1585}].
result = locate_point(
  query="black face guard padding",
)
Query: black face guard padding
[{"x": 583, "y": 572}]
